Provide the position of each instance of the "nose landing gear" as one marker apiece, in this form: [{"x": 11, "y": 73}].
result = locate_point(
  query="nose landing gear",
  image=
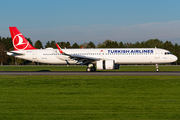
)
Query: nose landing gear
[{"x": 157, "y": 68}]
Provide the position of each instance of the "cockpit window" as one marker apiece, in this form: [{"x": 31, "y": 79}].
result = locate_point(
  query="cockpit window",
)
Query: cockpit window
[{"x": 167, "y": 53}]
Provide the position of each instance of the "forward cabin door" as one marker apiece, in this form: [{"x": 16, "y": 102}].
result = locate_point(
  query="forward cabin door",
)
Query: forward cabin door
[{"x": 157, "y": 54}]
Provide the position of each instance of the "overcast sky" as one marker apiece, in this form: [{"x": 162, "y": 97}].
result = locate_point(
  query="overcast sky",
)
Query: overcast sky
[{"x": 92, "y": 20}]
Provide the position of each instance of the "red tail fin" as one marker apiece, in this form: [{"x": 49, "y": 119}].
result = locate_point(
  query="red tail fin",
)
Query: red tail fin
[{"x": 19, "y": 41}]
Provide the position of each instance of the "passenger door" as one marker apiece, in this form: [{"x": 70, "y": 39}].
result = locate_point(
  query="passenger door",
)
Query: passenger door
[{"x": 34, "y": 55}]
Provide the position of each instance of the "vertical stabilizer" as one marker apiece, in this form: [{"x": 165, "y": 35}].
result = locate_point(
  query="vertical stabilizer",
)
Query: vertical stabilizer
[{"x": 19, "y": 41}]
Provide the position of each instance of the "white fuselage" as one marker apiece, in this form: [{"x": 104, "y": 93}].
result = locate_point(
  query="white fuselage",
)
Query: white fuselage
[{"x": 119, "y": 55}]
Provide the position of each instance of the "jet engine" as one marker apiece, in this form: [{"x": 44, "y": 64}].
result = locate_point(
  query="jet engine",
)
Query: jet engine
[{"x": 106, "y": 65}]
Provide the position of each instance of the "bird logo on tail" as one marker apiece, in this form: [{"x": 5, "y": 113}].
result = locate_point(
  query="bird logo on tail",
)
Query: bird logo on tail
[{"x": 19, "y": 43}]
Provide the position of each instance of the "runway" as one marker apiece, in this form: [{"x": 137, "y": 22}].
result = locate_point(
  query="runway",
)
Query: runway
[{"x": 91, "y": 73}]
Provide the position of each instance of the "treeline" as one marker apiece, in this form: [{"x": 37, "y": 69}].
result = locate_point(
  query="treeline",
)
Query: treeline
[{"x": 6, "y": 45}]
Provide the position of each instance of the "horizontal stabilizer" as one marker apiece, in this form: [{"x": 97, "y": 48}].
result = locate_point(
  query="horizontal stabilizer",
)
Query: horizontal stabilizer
[{"x": 14, "y": 53}]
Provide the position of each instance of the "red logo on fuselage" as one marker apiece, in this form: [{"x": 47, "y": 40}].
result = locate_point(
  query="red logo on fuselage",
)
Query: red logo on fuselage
[{"x": 19, "y": 42}]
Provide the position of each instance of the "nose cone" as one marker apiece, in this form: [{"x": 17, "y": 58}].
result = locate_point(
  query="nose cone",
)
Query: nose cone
[{"x": 174, "y": 58}]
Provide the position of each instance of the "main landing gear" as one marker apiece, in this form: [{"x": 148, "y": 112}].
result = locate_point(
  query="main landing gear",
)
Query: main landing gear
[
  {"x": 91, "y": 68},
  {"x": 157, "y": 68}
]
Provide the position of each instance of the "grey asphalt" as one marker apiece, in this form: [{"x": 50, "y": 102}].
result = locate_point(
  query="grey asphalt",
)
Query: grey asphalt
[{"x": 91, "y": 73}]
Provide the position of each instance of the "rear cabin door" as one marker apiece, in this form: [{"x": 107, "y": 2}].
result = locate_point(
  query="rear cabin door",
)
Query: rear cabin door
[{"x": 34, "y": 55}]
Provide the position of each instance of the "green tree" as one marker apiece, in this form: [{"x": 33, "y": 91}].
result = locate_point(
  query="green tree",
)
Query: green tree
[
  {"x": 7, "y": 42},
  {"x": 38, "y": 44},
  {"x": 3, "y": 56},
  {"x": 19, "y": 61},
  {"x": 28, "y": 39},
  {"x": 75, "y": 45},
  {"x": 169, "y": 46},
  {"x": 109, "y": 44},
  {"x": 128, "y": 45},
  {"x": 99, "y": 45},
  {"x": 48, "y": 44},
  {"x": 121, "y": 45},
  {"x": 137, "y": 45},
  {"x": 152, "y": 43},
  {"x": 51, "y": 44},
  {"x": 115, "y": 44},
  {"x": 91, "y": 45},
  {"x": 84, "y": 45},
  {"x": 68, "y": 45},
  {"x": 142, "y": 44},
  {"x": 62, "y": 44}
]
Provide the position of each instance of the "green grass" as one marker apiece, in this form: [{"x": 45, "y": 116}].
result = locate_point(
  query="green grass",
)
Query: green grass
[
  {"x": 43, "y": 68},
  {"x": 149, "y": 68},
  {"x": 90, "y": 97},
  {"x": 83, "y": 68}
]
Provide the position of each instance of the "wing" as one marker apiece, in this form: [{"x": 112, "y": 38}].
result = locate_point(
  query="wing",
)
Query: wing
[{"x": 83, "y": 60}]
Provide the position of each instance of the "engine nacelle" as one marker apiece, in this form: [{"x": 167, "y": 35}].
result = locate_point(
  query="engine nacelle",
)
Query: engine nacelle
[{"x": 106, "y": 65}]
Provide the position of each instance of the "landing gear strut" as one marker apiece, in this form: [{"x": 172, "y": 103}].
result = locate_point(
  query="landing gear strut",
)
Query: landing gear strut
[
  {"x": 157, "y": 68},
  {"x": 91, "y": 68}
]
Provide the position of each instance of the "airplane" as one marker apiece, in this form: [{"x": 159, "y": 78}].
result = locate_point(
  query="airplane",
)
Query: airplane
[{"x": 95, "y": 58}]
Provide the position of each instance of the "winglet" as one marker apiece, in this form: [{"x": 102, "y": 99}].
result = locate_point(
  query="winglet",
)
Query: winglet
[{"x": 60, "y": 50}]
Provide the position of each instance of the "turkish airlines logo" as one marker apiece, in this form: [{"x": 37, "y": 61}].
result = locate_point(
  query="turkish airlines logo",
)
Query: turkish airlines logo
[{"x": 19, "y": 43}]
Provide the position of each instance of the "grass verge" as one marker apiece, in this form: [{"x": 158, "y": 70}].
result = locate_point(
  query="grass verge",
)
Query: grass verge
[{"x": 90, "y": 97}]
